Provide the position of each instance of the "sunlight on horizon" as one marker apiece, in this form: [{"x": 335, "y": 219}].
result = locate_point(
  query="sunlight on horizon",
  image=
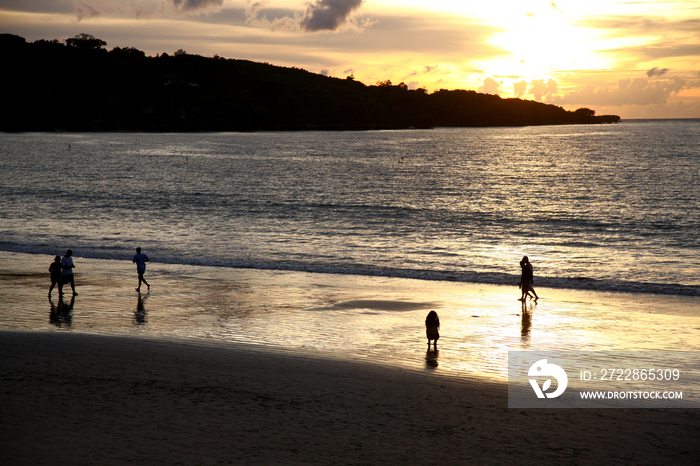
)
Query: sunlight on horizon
[{"x": 545, "y": 36}]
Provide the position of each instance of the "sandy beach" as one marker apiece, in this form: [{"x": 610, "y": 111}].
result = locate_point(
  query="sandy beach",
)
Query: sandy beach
[
  {"x": 81, "y": 399},
  {"x": 264, "y": 367}
]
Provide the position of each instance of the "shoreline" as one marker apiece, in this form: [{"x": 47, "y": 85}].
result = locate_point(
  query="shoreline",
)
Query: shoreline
[
  {"x": 84, "y": 399},
  {"x": 505, "y": 279}
]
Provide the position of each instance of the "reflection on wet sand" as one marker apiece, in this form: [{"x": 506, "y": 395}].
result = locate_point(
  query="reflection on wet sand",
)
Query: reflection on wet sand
[
  {"x": 431, "y": 358},
  {"x": 525, "y": 325},
  {"x": 61, "y": 314},
  {"x": 140, "y": 312}
]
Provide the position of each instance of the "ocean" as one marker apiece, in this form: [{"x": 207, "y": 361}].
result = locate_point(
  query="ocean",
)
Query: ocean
[{"x": 599, "y": 207}]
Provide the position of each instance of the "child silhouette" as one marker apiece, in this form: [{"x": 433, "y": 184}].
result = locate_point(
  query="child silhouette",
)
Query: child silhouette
[{"x": 432, "y": 324}]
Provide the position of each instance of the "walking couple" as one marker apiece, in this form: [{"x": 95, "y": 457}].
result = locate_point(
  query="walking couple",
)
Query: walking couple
[
  {"x": 61, "y": 270},
  {"x": 526, "y": 280}
]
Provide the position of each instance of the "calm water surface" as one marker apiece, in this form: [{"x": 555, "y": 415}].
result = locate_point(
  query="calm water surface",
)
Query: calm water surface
[{"x": 612, "y": 207}]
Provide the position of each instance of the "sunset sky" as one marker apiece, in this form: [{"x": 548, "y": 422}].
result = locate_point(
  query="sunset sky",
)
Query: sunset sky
[{"x": 636, "y": 59}]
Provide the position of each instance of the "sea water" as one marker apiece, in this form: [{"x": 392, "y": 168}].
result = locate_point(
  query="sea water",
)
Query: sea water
[{"x": 604, "y": 207}]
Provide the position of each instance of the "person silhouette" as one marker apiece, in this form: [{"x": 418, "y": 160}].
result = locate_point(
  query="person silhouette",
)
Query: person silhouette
[
  {"x": 67, "y": 267},
  {"x": 526, "y": 279},
  {"x": 55, "y": 270},
  {"x": 140, "y": 260},
  {"x": 432, "y": 325}
]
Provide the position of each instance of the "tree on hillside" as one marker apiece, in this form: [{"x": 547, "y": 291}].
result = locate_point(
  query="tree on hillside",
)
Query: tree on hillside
[
  {"x": 128, "y": 52},
  {"x": 8, "y": 41},
  {"x": 86, "y": 42}
]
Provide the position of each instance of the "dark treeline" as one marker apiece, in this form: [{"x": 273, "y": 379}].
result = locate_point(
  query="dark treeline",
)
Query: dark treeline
[{"x": 80, "y": 86}]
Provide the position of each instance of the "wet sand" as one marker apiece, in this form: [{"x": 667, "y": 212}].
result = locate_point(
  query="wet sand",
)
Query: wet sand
[
  {"x": 73, "y": 399},
  {"x": 219, "y": 366},
  {"x": 377, "y": 320}
]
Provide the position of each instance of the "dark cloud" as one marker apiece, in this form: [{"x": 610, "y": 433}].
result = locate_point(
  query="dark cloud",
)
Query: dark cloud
[
  {"x": 328, "y": 15},
  {"x": 140, "y": 9},
  {"x": 282, "y": 20},
  {"x": 657, "y": 72},
  {"x": 188, "y": 6},
  {"x": 37, "y": 6},
  {"x": 83, "y": 10}
]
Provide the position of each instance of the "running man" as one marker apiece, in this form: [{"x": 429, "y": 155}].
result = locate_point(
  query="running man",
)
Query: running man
[{"x": 140, "y": 260}]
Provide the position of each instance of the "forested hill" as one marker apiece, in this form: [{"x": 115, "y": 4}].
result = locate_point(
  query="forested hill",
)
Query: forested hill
[{"x": 80, "y": 86}]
